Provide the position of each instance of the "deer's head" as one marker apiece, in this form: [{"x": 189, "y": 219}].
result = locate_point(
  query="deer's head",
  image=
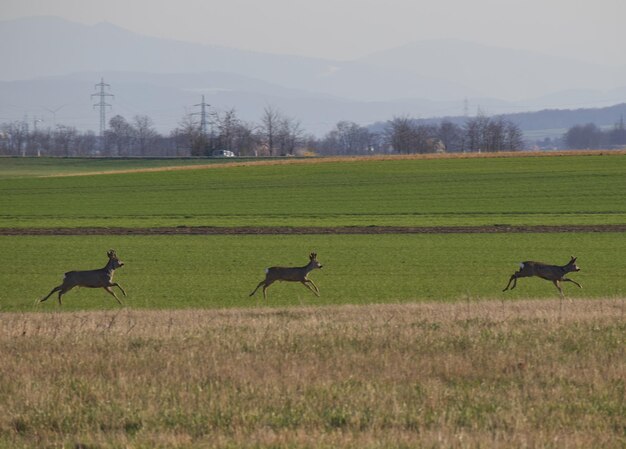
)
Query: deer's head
[
  {"x": 313, "y": 259},
  {"x": 571, "y": 265},
  {"x": 114, "y": 261}
]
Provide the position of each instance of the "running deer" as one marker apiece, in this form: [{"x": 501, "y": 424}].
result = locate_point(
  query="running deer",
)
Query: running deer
[
  {"x": 554, "y": 273},
  {"x": 102, "y": 278},
  {"x": 291, "y": 274}
]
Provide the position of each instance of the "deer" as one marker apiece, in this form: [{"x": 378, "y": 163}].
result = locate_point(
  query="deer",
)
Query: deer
[
  {"x": 102, "y": 278},
  {"x": 291, "y": 274},
  {"x": 554, "y": 273}
]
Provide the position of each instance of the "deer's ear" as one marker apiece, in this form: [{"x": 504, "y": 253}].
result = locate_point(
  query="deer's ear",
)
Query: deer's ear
[{"x": 573, "y": 259}]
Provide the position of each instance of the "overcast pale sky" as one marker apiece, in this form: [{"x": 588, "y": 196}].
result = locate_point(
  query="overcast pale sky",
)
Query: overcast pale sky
[{"x": 346, "y": 29}]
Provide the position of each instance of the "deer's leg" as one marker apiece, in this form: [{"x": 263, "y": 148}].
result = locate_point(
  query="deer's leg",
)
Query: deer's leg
[
  {"x": 558, "y": 286},
  {"x": 572, "y": 281},
  {"x": 55, "y": 289},
  {"x": 266, "y": 286},
  {"x": 305, "y": 283},
  {"x": 315, "y": 286},
  {"x": 115, "y": 284},
  {"x": 513, "y": 279},
  {"x": 257, "y": 287},
  {"x": 109, "y": 290},
  {"x": 63, "y": 290}
]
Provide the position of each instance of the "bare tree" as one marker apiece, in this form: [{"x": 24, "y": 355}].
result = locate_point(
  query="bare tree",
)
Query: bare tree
[
  {"x": 514, "y": 137},
  {"x": 451, "y": 136},
  {"x": 16, "y": 137},
  {"x": 270, "y": 123},
  {"x": 65, "y": 138},
  {"x": 475, "y": 132},
  {"x": 584, "y": 136},
  {"x": 245, "y": 142},
  {"x": 288, "y": 135},
  {"x": 401, "y": 134},
  {"x": 188, "y": 137},
  {"x": 227, "y": 124},
  {"x": 492, "y": 134},
  {"x": 145, "y": 134},
  {"x": 348, "y": 138},
  {"x": 119, "y": 136}
]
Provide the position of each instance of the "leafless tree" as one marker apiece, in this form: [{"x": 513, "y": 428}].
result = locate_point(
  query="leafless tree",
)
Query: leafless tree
[
  {"x": 288, "y": 136},
  {"x": 15, "y": 137},
  {"x": 405, "y": 135},
  {"x": 227, "y": 123},
  {"x": 245, "y": 142},
  {"x": 144, "y": 133},
  {"x": 270, "y": 123},
  {"x": 65, "y": 138},
  {"x": 119, "y": 136},
  {"x": 401, "y": 135},
  {"x": 347, "y": 138},
  {"x": 451, "y": 136}
]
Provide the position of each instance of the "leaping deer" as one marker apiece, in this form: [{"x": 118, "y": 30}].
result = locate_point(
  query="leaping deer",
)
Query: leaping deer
[
  {"x": 102, "y": 278},
  {"x": 554, "y": 273},
  {"x": 291, "y": 274}
]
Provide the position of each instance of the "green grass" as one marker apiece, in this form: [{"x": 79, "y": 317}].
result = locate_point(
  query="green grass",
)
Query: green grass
[
  {"x": 550, "y": 190},
  {"x": 221, "y": 271},
  {"x": 19, "y": 167}
]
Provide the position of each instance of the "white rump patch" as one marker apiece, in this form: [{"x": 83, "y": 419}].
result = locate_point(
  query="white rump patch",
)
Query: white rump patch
[
  {"x": 521, "y": 265},
  {"x": 267, "y": 270}
]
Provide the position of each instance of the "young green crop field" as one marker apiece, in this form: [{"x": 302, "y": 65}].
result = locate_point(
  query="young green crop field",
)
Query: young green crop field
[
  {"x": 220, "y": 271},
  {"x": 440, "y": 192},
  {"x": 17, "y": 167}
]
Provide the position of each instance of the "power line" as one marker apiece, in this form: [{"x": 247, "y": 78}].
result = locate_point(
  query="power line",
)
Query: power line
[{"x": 102, "y": 104}]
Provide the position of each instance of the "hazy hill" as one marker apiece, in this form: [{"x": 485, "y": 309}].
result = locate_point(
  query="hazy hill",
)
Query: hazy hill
[
  {"x": 45, "y": 46},
  {"x": 50, "y": 64},
  {"x": 496, "y": 72}
]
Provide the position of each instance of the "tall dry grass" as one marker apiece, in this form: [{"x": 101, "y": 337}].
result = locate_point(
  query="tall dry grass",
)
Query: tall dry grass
[{"x": 486, "y": 374}]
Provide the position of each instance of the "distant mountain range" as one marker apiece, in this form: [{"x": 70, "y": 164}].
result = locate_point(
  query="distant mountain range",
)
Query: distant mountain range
[{"x": 50, "y": 67}]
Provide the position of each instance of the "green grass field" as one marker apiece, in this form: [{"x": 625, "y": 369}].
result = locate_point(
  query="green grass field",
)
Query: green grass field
[
  {"x": 220, "y": 271},
  {"x": 17, "y": 167},
  {"x": 544, "y": 190}
]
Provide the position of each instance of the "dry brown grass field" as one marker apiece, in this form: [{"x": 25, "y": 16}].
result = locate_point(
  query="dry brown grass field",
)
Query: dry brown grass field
[{"x": 465, "y": 375}]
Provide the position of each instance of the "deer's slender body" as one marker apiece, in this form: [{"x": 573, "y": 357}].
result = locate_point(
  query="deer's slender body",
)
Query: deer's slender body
[
  {"x": 102, "y": 278},
  {"x": 291, "y": 274},
  {"x": 554, "y": 273}
]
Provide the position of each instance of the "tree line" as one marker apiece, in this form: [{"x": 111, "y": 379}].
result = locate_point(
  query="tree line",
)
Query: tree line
[
  {"x": 590, "y": 136},
  {"x": 274, "y": 135}
]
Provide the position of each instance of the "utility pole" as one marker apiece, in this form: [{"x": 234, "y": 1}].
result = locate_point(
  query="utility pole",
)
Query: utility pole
[
  {"x": 102, "y": 104},
  {"x": 203, "y": 121}
]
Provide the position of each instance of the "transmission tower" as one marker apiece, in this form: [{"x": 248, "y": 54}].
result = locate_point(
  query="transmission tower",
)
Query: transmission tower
[
  {"x": 102, "y": 104},
  {"x": 203, "y": 113}
]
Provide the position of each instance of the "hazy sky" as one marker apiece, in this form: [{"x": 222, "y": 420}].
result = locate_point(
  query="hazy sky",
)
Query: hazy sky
[{"x": 346, "y": 29}]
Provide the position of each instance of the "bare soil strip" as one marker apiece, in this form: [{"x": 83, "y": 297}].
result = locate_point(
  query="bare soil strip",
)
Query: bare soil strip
[{"x": 286, "y": 230}]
